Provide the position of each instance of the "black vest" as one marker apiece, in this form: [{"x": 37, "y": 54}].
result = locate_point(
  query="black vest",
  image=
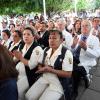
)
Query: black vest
[
  {"x": 65, "y": 81},
  {"x": 31, "y": 75},
  {"x": 16, "y": 47}
]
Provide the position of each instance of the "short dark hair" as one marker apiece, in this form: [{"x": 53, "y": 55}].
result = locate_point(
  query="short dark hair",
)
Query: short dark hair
[
  {"x": 7, "y": 32},
  {"x": 19, "y": 33},
  {"x": 12, "y": 25},
  {"x": 29, "y": 28},
  {"x": 95, "y": 18},
  {"x": 56, "y": 31},
  {"x": 43, "y": 22}
]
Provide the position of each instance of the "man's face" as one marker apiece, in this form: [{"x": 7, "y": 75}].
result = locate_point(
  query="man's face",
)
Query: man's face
[
  {"x": 42, "y": 27},
  {"x": 85, "y": 27},
  {"x": 60, "y": 26},
  {"x": 96, "y": 22}
]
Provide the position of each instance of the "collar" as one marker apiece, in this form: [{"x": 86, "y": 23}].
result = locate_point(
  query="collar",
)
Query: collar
[
  {"x": 16, "y": 44},
  {"x": 42, "y": 32},
  {"x": 82, "y": 35},
  {"x": 56, "y": 53},
  {"x": 26, "y": 49}
]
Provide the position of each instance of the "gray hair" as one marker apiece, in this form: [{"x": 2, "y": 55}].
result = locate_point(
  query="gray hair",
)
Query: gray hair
[
  {"x": 88, "y": 22},
  {"x": 61, "y": 20}
]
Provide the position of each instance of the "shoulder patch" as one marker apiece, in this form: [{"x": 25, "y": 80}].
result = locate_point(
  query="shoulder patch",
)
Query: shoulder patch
[
  {"x": 37, "y": 52},
  {"x": 70, "y": 61}
]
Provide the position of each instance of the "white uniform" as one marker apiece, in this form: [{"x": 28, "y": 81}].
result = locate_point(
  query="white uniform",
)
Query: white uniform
[
  {"x": 48, "y": 86},
  {"x": 22, "y": 82},
  {"x": 94, "y": 31},
  {"x": 68, "y": 39},
  {"x": 6, "y": 43},
  {"x": 88, "y": 57},
  {"x": 14, "y": 45}
]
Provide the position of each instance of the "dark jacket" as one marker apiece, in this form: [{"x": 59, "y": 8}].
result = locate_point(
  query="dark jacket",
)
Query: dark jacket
[
  {"x": 8, "y": 89},
  {"x": 43, "y": 42}
]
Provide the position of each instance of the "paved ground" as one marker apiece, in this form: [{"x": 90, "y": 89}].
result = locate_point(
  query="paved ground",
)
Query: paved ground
[{"x": 84, "y": 94}]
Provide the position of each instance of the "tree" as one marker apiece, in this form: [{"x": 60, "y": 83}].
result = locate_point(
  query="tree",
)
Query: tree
[
  {"x": 97, "y": 3},
  {"x": 81, "y": 4},
  {"x": 27, "y": 6},
  {"x": 56, "y": 6},
  {"x": 19, "y": 6}
]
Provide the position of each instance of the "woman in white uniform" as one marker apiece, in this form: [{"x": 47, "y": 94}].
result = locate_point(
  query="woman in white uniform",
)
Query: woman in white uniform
[
  {"x": 6, "y": 38},
  {"x": 17, "y": 41},
  {"x": 57, "y": 67},
  {"x": 28, "y": 57}
]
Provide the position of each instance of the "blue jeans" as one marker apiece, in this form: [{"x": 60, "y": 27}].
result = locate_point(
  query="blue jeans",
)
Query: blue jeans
[{"x": 8, "y": 90}]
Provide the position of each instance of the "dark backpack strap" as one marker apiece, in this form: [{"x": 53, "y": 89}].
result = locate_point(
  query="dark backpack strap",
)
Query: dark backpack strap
[
  {"x": 21, "y": 46},
  {"x": 64, "y": 50},
  {"x": 65, "y": 81},
  {"x": 31, "y": 75},
  {"x": 43, "y": 61},
  {"x": 16, "y": 47},
  {"x": 10, "y": 45},
  {"x": 20, "y": 49},
  {"x": 59, "y": 60}
]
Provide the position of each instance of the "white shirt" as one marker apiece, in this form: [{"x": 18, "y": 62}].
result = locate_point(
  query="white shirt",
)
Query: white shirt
[
  {"x": 68, "y": 39},
  {"x": 67, "y": 65},
  {"x": 88, "y": 57},
  {"x": 42, "y": 33},
  {"x": 37, "y": 52},
  {"x": 94, "y": 32},
  {"x": 13, "y": 45},
  {"x": 6, "y": 43}
]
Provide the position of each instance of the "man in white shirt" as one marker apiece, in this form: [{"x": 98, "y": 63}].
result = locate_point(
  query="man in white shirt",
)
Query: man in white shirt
[
  {"x": 95, "y": 26},
  {"x": 60, "y": 25},
  {"x": 89, "y": 51}
]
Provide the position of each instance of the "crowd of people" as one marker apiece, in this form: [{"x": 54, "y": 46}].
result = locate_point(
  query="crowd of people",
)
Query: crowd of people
[{"x": 46, "y": 60}]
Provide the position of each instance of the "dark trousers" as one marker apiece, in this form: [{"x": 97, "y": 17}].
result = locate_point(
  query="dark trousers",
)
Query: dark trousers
[
  {"x": 8, "y": 90},
  {"x": 79, "y": 73}
]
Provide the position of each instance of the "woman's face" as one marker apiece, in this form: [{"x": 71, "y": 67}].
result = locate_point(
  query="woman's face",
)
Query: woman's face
[
  {"x": 27, "y": 36},
  {"x": 54, "y": 40},
  {"x": 50, "y": 25},
  {"x": 78, "y": 25},
  {"x": 12, "y": 28},
  {"x": 15, "y": 37},
  {"x": 5, "y": 36}
]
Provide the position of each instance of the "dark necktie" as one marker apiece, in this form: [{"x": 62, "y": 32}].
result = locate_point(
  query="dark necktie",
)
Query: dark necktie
[{"x": 78, "y": 49}]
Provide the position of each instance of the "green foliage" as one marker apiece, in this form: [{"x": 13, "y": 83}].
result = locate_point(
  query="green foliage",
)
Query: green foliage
[
  {"x": 97, "y": 3},
  {"x": 27, "y": 6},
  {"x": 19, "y": 6},
  {"x": 81, "y": 4}
]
